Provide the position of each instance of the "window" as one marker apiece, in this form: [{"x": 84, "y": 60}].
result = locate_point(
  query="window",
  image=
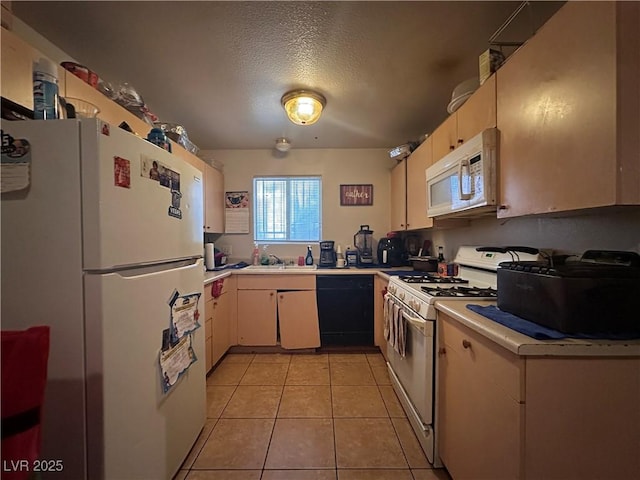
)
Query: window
[{"x": 287, "y": 209}]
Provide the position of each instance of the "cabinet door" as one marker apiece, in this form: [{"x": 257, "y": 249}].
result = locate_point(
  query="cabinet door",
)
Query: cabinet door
[
  {"x": 478, "y": 112},
  {"x": 398, "y": 199},
  {"x": 417, "y": 163},
  {"x": 207, "y": 336},
  {"x": 17, "y": 70},
  {"x": 257, "y": 310},
  {"x": 559, "y": 146},
  {"x": 220, "y": 327},
  {"x": 298, "y": 318},
  {"x": 214, "y": 200},
  {"x": 445, "y": 137},
  {"x": 480, "y": 429}
]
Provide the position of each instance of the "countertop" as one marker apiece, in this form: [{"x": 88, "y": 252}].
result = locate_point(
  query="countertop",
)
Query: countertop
[
  {"x": 216, "y": 275},
  {"x": 527, "y": 346}
]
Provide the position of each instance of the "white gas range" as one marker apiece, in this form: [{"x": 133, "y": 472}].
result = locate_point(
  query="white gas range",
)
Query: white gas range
[{"x": 412, "y": 367}]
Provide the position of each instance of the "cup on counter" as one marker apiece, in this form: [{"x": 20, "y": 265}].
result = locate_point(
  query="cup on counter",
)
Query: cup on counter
[
  {"x": 300, "y": 261},
  {"x": 341, "y": 263}
]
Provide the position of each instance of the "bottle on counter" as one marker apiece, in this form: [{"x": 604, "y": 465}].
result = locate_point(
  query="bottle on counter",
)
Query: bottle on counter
[
  {"x": 45, "y": 90},
  {"x": 264, "y": 256},
  {"x": 255, "y": 258},
  {"x": 440, "y": 254},
  {"x": 308, "y": 260},
  {"x": 442, "y": 264}
]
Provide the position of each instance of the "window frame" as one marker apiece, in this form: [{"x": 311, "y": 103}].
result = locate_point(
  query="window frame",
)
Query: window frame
[{"x": 289, "y": 211}]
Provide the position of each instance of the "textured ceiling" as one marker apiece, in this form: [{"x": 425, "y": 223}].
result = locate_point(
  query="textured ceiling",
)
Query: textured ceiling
[{"x": 387, "y": 69}]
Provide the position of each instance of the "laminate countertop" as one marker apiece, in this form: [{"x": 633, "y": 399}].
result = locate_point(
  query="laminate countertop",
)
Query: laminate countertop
[
  {"x": 211, "y": 276},
  {"x": 524, "y": 345}
]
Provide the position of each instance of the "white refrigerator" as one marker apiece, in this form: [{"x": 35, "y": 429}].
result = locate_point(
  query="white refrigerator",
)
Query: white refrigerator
[{"x": 104, "y": 245}]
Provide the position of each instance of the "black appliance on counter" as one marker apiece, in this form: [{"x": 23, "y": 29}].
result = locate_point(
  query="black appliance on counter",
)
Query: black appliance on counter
[
  {"x": 599, "y": 293},
  {"x": 328, "y": 255},
  {"x": 391, "y": 251},
  {"x": 363, "y": 241}
]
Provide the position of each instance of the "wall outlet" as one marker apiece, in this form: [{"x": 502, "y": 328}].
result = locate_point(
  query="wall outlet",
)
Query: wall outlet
[{"x": 226, "y": 249}]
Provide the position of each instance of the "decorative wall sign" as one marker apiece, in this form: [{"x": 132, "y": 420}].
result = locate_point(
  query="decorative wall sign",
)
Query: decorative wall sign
[
  {"x": 236, "y": 212},
  {"x": 356, "y": 195}
]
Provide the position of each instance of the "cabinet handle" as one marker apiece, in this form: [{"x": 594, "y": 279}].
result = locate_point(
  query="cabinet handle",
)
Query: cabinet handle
[
  {"x": 460, "y": 141},
  {"x": 281, "y": 297},
  {"x": 452, "y": 147},
  {"x": 466, "y": 344},
  {"x": 442, "y": 351},
  {"x": 503, "y": 207},
  {"x": 271, "y": 294}
]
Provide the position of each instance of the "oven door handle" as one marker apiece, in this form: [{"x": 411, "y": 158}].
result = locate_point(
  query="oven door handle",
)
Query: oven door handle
[{"x": 417, "y": 322}]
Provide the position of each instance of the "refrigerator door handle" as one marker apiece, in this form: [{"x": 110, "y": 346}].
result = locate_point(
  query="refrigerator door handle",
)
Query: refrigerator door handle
[{"x": 142, "y": 270}]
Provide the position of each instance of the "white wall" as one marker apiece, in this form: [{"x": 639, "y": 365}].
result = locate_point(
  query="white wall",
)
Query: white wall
[
  {"x": 336, "y": 166},
  {"x": 604, "y": 229}
]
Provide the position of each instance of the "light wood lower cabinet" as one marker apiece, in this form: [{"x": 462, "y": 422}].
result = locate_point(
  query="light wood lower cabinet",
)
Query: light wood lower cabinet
[
  {"x": 219, "y": 323},
  {"x": 257, "y": 317},
  {"x": 504, "y": 416},
  {"x": 298, "y": 317},
  {"x": 481, "y": 421},
  {"x": 266, "y": 301}
]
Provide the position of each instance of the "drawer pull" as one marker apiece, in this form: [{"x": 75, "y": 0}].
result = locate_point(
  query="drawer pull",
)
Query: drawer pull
[
  {"x": 466, "y": 344},
  {"x": 442, "y": 351}
]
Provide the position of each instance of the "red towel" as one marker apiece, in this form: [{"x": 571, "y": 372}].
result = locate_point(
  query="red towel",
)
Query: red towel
[{"x": 24, "y": 376}]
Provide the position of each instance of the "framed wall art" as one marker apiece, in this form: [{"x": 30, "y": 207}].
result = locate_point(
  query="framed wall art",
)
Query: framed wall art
[{"x": 356, "y": 195}]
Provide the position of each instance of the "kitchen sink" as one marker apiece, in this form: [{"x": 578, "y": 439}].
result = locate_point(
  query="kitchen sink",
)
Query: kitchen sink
[{"x": 280, "y": 267}]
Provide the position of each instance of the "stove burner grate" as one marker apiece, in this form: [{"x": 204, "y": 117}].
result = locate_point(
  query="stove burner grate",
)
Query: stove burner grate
[
  {"x": 460, "y": 291},
  {"x": 431, "y": 278}
]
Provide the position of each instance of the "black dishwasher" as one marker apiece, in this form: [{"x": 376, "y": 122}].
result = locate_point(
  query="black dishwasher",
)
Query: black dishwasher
[{"x": 345, "y": 309}]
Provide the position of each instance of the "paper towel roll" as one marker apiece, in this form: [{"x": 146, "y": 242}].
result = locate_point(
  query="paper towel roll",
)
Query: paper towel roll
[{"x": 209, "y": 256}]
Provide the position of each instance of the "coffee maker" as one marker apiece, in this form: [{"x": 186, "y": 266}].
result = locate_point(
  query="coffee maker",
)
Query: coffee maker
[
  {"x": 363, "y": 240},
  {"x": 328, "y": 255}
]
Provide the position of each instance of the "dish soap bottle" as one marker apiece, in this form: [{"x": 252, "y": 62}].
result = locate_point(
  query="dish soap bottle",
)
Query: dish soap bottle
[{"x": 308, "y": 260}]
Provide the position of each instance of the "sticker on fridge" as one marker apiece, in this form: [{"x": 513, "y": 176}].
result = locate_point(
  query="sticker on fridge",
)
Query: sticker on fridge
[
  {"x": 122, "y": 172},
  {"x": 16, "y": 164}
]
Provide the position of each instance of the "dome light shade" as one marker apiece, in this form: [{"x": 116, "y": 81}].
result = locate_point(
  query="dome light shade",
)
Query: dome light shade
[
  {"x": 283, "y": 145},
  {"x": 303, "y": 107}
]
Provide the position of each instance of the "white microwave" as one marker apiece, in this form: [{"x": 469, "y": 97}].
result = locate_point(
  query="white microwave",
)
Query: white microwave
[{"x": 463, "y": 183}]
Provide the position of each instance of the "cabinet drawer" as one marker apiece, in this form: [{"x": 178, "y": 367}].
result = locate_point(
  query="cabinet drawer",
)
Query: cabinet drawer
[
  {"x": 484, "y": 358},
  {"x": 276, "y": 282}
]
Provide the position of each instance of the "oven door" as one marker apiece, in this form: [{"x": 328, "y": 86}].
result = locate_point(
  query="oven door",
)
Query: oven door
[{"x": 415, "y": 371}]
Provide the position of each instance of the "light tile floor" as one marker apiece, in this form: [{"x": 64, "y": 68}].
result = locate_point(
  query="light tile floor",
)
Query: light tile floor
[{"x": 325, "y": 416}]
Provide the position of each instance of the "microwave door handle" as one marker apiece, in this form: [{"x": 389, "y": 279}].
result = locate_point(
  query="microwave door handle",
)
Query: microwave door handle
[{"x": 464, "y": 165}]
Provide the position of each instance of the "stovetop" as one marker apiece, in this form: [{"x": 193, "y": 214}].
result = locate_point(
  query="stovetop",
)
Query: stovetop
[
  {"x": 431, "y": 278},
  {"x": 460, "y": 291}
]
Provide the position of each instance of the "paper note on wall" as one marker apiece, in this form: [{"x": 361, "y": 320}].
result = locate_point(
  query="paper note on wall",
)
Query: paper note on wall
[{"x": 236, "y": 212}]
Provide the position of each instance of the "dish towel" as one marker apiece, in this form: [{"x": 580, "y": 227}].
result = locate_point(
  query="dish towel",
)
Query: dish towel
[
  {"x": 540, "y": 332},
  {"x": 386, "y": 315},
  {"x": 401, "y": 333}
]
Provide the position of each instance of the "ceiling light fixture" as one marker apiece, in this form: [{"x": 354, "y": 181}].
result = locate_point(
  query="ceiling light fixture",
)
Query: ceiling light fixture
[
  {"x": 283, "y": 145},
  {"x": 303, "y": 107}
]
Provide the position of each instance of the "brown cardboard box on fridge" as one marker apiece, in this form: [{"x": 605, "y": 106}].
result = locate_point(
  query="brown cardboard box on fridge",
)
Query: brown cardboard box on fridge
[{"x": 489, "y": 62}]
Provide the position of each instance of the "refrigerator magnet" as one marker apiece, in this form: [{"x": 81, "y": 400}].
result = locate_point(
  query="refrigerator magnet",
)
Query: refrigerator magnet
[
  {"x": 184, "y": 313},
  {"x": 122, "y": 172},
  {"x": 15, "y": 164}
]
